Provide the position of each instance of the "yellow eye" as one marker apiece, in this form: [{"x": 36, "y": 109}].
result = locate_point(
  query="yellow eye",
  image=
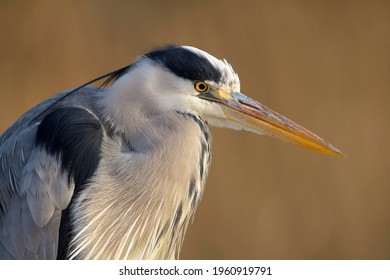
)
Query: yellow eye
[{"x": 201, "y": 86}]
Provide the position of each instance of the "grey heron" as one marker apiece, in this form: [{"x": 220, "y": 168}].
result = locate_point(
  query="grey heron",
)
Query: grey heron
[{"x": 117, "y": 171}]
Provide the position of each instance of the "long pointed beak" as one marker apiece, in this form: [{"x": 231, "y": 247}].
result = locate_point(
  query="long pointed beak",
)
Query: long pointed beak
[{"x": 256, "y": 117}]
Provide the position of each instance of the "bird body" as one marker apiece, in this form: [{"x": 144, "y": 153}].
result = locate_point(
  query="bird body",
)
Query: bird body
[
  {"x": 118, "y": 172},
  {"x": 118, "y": 157}
]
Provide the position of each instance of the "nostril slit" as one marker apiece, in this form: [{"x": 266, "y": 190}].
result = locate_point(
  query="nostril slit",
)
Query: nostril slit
[{"x": 248, "y": 105}]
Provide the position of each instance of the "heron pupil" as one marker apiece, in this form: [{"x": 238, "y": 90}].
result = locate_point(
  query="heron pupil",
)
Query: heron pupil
[{"x": 201, "y": 87}]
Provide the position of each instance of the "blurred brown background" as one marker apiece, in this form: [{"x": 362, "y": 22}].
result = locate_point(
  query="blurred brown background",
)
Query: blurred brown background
[{"x": 325, "y": 64}]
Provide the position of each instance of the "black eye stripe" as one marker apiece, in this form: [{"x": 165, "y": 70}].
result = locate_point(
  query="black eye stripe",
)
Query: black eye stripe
[{"x": 186, "y": 64}]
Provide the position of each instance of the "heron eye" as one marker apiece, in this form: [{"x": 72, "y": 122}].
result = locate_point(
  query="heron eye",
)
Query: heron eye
[{"x": 201, "y": 86}]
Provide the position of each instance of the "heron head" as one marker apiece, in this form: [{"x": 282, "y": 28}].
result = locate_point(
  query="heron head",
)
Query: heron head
[{"x": 186, "y": 79}]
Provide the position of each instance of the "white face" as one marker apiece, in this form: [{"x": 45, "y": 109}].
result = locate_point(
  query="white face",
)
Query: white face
[{"x": 157, "y": 90}]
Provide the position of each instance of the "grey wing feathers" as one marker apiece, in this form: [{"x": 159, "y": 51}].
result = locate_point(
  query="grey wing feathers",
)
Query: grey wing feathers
[
  {"x": 34, "y": 189},
  {"x": 30, "y": 198}
]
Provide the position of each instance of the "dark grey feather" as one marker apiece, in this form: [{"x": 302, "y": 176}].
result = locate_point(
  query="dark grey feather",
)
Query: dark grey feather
[{"x": 36, "y": 181}]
